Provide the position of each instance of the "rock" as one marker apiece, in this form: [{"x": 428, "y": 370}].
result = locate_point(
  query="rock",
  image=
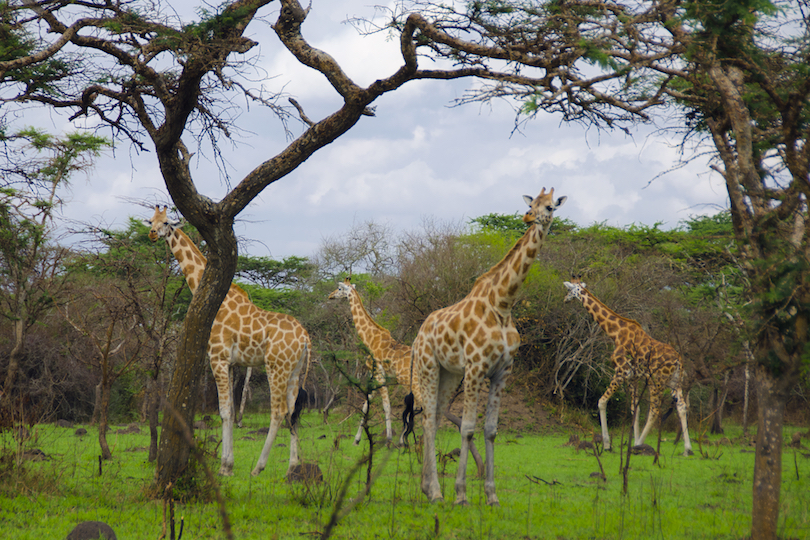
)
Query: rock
[
  {"x": 643, "y": 450},
  {"x": 305, "y": 472},
  {"x": 92, "y": 530}
]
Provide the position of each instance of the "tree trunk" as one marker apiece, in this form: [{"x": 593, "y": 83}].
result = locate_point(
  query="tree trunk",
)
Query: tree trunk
[
  {"x": 13, "y": 367},
  {"x": 178, "y": 415},
  {"x": 152, "y": 406},
  {"x": 768, "y": 462},
  {"x": 103, "y": 421},
  {"x": 182, "y": 397},
  {"x": 96, "y": 405}
]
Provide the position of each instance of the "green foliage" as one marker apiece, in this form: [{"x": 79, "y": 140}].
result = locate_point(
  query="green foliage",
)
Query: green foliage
[
  {"x": 270, "y": 273},
  {"x": 16, "y": 44},
  {"x": 283, "y": 301}
]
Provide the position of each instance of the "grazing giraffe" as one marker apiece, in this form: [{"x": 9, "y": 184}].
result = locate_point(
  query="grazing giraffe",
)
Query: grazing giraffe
[
  {"x": 636, "y": 356},
  {"x": 244, "y": 335},
  {"x": 389, "y": 357},
  {"x": 476, "y": 339}
]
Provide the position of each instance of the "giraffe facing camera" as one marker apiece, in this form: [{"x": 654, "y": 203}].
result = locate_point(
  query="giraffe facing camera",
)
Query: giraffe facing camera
[
  {"x": 476, "y": 339},
  {"x": 244, "y": 335}
]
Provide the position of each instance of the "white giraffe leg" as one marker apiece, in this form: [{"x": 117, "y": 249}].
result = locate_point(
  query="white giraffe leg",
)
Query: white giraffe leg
[
  {"x": 496, "y": 385},
  {"x": 472, "y": 389},
  {"x": 603, "y": 420},
  {"x": 362, "y": 425},
  {"x": 222, "y": 376},
  {"x": 683, "y": 406}
]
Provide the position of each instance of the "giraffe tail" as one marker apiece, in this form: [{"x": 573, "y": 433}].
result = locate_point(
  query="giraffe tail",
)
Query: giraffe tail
[
  {"x": 671, "y": 408},
  {"x": 300, "y": 401},
  {"x": 407, "y": 417},
  {"x": 308, "y": 360}
]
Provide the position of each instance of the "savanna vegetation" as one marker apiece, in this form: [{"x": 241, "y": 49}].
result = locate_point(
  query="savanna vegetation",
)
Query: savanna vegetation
[
  {"x": 683, "y": 285},
  {"x": 731, "y": 292}
]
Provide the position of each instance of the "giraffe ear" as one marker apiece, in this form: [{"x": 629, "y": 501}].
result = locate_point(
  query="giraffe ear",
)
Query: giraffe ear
[
  {"x": 529, "y": 200},
  {"x": 560, "y": 201},
  {"x": 568, "y": 285},
  {"x": 147, "y": 222}
]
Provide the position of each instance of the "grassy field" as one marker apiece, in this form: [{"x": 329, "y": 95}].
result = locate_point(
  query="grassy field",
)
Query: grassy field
[{"x": 545, "y": 488}]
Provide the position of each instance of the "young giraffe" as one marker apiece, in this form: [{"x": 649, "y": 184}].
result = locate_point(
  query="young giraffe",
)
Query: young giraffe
[
  {"x": 636, "y": 356},
  {"x": 476, "y": 339},
  {"x": 389, "y": 357},
  {"x": 244, "y": 335}
]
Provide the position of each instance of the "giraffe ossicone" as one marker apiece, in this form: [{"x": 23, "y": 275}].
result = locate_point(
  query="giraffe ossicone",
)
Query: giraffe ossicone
[
  {"x": 245, "y": 335},
  {"x": 636, "y": 356},
  {"x": 476, "y": 339}
]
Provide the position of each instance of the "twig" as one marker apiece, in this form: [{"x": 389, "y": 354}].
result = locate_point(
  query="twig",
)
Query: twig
[{"x": 537, "y": 480}]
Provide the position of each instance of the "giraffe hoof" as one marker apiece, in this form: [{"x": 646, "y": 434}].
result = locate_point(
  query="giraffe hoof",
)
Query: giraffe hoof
[{"x": 462, "y": 502}]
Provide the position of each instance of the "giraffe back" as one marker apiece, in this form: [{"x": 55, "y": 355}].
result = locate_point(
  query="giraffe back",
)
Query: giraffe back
[{"x": 252, "y": 336}]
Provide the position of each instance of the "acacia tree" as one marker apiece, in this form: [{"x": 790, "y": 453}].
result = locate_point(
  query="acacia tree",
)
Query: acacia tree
[
  {"x": 737, "y": 71},
  {"x": 107, "y": 320},
  {"x": 36, "y": 166},
  {"x": 157, "y": 82}
]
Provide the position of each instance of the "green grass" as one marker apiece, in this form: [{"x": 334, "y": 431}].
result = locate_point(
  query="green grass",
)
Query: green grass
[{"x": 680, "y": 497}]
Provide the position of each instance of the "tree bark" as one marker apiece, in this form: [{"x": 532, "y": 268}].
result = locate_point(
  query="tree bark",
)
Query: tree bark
[
  {"x": 768, "y": 462},
  {"x": 13, "y": 367},
  {"x": 152, "y": 406},
  {"x": 103, "y": 419}
]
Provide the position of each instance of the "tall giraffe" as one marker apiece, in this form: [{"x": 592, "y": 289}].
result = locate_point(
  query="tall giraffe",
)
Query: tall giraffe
[
  {"x": 636, "y": 356},
  {"x": 476, "y": 339},
  {"x": 389, "y": 357},
  {"x": 244, "y": 335}
]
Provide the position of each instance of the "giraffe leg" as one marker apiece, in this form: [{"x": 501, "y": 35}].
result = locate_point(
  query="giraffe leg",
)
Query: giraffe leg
[
  {"x": 222, "y": 375},
  {"x": 389, "y": 430},
  {"x": 278, "y": 410},
  {"x": 682, "y": 406},
  {"x": 635, "y": 407},
  {"x": 491, "y": 431},
  {"x": 292, "y": 397},
  {"x": 430, "y": 392},
  {"x": 380, "y": 377},
  {"x": 472, "y": 389},
  {"x": 362, "y": 425},
  {"x": 655, "y": 411}
]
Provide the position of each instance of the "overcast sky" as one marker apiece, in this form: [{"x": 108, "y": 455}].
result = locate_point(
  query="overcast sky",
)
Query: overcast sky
[{"x": 418, "y": 158}]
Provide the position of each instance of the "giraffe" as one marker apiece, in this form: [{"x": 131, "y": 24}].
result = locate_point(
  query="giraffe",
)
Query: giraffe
[
  {"x": 389, "y": 357},
  {"x": 636, "y": 356},
  {"x": 476, "y": 339},
  {"x": 244, "y": 335}
]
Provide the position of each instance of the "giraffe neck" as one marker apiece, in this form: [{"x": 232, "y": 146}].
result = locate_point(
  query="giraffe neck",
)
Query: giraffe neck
[
  {"x": 610, "y": 321},
  {"x": 366, "y": 327},
  {"x": 502, "y": 282},
  {"x": 192, "y": 261}
]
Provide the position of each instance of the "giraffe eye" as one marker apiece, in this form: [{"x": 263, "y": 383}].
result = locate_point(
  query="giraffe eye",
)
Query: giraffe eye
[{"x": 550, "y": 208}]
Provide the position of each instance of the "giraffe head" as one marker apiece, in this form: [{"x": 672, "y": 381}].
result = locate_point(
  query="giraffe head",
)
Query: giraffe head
[
  {"x": 542, "y": 207},
  {"x": 344, "y": 290},
  {"x": 576, "y": 289},
  {"x": 160, "y": 226}
]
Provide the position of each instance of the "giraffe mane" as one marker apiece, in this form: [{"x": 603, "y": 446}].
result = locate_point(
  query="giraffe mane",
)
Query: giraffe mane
[{"x": 618, "y": 316}]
